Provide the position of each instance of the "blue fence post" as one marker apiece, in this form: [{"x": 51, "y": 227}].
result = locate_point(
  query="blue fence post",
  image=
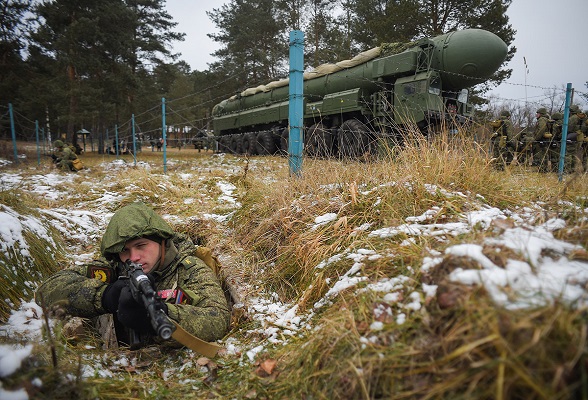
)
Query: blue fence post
[
  {"x": 13, "y": 132},
  {"x": 164, "y": 134},
  {"x": 134, "y": 142},
  {"x": 564, "y": 132},
  {"x": 296, "y": 102},
  {"x": 38, "y": 146},
  {"x": 116, "y": 140},
  {"x": 43, "y": 140}
]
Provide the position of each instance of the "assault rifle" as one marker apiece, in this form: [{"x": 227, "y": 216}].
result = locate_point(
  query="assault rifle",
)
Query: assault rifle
[{"x": 143, "y": 293}]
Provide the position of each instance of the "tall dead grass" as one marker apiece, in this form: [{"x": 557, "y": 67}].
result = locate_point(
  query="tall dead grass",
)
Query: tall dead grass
[
  {"x": 464, "y": 348},
  {"x": 468, "y": 350}
]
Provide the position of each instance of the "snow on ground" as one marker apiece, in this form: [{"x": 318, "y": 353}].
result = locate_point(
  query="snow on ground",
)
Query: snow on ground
[{"x": 542, "y": 273}]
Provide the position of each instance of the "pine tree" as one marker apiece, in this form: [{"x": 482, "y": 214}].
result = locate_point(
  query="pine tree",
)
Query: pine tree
[
  {"x": 254, "y": 41},
  {"x": 13, "y": 70},
  {"x": 378, "y": 21}
]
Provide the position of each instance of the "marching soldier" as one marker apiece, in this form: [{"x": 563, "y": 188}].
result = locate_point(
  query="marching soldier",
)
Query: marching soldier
[
  {"x": 535, "y": 142},
  {"x": 584, "y": 144},
  {"x": 573, "y": 160},
  {"x": 554, "y": 148},
  {"x": 504, "y": 142}
]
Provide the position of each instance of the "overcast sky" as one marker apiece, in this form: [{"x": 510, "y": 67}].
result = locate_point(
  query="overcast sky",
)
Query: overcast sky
[{"x": 551, "y": 36}]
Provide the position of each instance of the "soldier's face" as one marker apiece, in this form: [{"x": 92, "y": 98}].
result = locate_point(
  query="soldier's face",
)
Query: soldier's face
[{"x": 142, "y": 251}]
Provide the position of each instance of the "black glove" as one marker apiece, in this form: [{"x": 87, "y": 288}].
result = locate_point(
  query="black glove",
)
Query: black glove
[
  {"x": 112, "y": 293},
  {"x": 133, "y": 315}
]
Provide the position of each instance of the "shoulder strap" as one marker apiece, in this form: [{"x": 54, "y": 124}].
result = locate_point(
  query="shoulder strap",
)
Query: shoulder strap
[{"x": 194, "y": 343}]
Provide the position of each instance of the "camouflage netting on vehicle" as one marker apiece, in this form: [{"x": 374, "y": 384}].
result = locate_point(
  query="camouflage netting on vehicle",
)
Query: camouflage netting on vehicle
[
  {"x": 386, "y": 49},
  {"x": 389, "y": 49},
  {"x": 319, "y": 71}
]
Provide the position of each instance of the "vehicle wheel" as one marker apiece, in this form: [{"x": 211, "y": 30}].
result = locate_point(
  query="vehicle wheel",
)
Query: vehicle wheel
[
  {"x": 265, "y": 143},
  {"x": 284, "y": 137},
  {"x": 222, "y": 144},
  {"x": 248, "y": 144},
  {"x": 355, "y": 139},
  {"x": 277, "y": 138},
  {"x": 318, "y": 141},
  {"x": 236, "y": 144}
]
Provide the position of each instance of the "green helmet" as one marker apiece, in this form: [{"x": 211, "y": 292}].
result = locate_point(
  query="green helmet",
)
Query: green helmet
[
  {"x": 557, "y": 116},
  {"x": 574, "y": 109},
  {"x": 542, "y": 111},
  {"x": 58, "y": 143},
  {"x": 505, "y": 113},
  {"x": 133, "y": 221}
]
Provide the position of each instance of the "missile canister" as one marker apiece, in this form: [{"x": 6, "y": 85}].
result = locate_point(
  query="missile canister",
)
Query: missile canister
[{"x": 462, "y": 58}]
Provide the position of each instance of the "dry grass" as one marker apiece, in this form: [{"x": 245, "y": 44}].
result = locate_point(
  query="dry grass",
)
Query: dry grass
[
  {"x": 458, "y": 346},
  {"x": 471, "y": 350},
  {"x": 24, "y": 264}
]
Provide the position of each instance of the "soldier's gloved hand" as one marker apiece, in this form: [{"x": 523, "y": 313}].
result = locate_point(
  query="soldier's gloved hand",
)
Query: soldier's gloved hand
[
  {"x": 133, "y": 315},
  {"x": 111, "y": 295}
]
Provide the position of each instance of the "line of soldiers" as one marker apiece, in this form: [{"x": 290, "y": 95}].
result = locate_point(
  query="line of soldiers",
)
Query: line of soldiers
[{"x": 542, "y": 146}]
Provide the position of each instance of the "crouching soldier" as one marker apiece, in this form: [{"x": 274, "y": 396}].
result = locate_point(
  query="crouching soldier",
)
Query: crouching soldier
[
  {"x": 64, "y": 156},
  {"x": 189, "y": 294}
]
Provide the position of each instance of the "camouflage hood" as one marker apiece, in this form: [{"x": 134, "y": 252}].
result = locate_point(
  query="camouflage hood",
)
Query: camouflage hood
[{"x": 131, "y": 222}]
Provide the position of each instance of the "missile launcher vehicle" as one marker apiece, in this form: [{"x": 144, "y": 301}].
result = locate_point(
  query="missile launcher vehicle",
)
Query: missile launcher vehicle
[{"x": 350, "y": 105}]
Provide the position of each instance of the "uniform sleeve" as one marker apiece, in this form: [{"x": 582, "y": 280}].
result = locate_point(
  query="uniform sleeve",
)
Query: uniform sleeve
[
  {"x": 207, "y": 316},
  {"x": 541, "y": 128},
  {"x": 70, "y": 154},
  {"x": 73, "y": 290}
]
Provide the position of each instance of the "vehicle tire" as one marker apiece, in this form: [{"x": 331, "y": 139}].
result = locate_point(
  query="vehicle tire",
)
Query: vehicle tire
[
  {"x": 277, "y": 138},
  {"x": 284, "y": 137},
  {"x": 265, "y": 143},
  {"x": 355, "y": 139},
  {"x": 222, "y": 144},
  {"x": 318, "y": 141},
  {"x": 235, "y": 145},
  {"x": 248, "y": 143}
]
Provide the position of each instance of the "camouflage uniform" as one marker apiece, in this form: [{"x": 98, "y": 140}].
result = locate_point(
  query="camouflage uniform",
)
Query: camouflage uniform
[
  {"x": 554, "y": 149},
  {"x": 504, "y": 142},
  {"x": 584, "y": 144},
  {"x": 192, "y": 292},
  {"x": 64, "y": 156},
  {"x": 573, "y": 161},
  {"x": 536, "y": 141}
]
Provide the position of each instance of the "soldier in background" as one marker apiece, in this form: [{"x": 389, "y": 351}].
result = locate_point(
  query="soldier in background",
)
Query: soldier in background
[
  {"x": 584, "y": 143},
  {"x": 504, "y": 142},
  {"x": 581, "y": 141},
  {"x": 573, "y": 161},
  {"x": 64, "y": 156},
  {"x": 535, "y": 142},
  {"x": 554, "y": 148}
]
